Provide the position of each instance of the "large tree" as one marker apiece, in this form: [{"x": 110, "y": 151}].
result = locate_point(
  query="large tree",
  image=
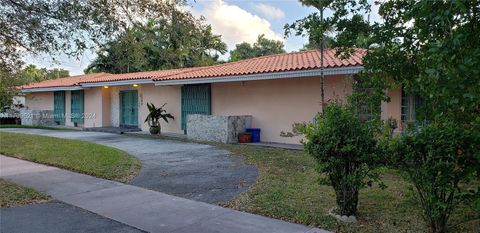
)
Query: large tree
[
  {"x": 70, "y": 27},
  {"x": 345, "y": 26},
  {"x": 261, "y": 47},
  {"x": 32, "y": 73},
  {"x": 123, "y": 55},
  {"x": 162, "y": 43},
  {"x": 430, "y": 49}
]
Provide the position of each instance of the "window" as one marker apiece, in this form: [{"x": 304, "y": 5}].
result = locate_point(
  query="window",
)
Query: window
[
  {"x": 366, "y": 111},
  {"x": 410, "y": 106}
]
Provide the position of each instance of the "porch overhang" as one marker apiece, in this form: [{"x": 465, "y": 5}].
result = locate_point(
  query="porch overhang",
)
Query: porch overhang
[
  {"x": 44, "y": 89},
  {"x": 118, "y": 83},
  {"x": 264, "y": 76}
]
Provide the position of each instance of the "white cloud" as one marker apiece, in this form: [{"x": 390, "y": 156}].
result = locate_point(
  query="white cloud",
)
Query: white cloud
[
  {"x": 269, "y": 11},
  {"x": 235, "y": 24}
]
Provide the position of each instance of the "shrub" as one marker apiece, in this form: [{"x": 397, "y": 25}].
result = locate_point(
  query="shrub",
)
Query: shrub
[
  {"x": 346, "y": 150},
  {"x": 440, "y": 160}
]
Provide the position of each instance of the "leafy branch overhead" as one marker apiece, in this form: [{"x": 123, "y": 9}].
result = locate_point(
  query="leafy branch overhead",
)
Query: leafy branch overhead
[
  {"x": 161, "y": 43},
  {"x": 427, "y": 49},
  {"x": 261, "y": 47},
  {"x": 73, "y": 26},
  {"x": 346, "y": 27}
]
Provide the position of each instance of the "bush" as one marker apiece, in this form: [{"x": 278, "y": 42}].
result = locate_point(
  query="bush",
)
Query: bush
[
  {"x": 440, "y": 160},
  {"x": 346, "y": 150}
]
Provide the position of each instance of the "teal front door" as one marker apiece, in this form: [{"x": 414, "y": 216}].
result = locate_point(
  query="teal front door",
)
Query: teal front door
[
  {"x": 77, "y": 106},
  {"x": 129, "y": 108},
  {"x": 59, "y": 107},
  {"x": 196, "y": 99}
]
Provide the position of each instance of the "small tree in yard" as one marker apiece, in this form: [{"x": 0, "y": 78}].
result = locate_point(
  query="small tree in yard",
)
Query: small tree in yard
[
  {"x": 430, "y": 49},
  {"x": 439, "y": 160},
  {"x": 346, "y": 151}
]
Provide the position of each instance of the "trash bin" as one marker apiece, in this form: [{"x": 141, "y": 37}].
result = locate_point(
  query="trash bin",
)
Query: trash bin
[
  {"x": 245, "y": 138},
  {"x": 255, "y": 134}
]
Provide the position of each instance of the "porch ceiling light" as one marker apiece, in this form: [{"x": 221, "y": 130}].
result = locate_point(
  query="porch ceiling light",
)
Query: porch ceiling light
[
  {"x": 135, "y": 85},
  {"x": 105, "y": 87}
]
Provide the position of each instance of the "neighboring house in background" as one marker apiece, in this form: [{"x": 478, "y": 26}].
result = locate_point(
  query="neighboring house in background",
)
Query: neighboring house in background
[
  {"x": 276, "y": 90},
  {"x": 11, "y": 114},
  {"x": 18, "y": 102}
]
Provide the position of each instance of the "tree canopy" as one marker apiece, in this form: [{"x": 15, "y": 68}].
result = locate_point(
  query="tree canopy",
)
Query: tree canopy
[
  {"x": 261, "y": 47},
  {"x": 70, "y": 27},
  {"x": 427, "y": 48},
  {"x": 430, "y": 49},
  {"x": 181, "y": 41},
  {"x": 346, "y": 24},
  {"x": 32, "y": 73}
]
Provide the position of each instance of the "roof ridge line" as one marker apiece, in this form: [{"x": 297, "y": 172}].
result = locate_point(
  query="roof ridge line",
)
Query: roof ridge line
[{"x": 187, "y": 70}]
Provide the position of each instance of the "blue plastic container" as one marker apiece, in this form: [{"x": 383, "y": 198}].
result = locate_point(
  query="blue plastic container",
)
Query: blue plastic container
[{"x": 255, "y": 134}]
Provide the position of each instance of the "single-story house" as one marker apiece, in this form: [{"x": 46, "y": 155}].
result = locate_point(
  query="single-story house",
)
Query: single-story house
[{"x": 275, "y": 90}]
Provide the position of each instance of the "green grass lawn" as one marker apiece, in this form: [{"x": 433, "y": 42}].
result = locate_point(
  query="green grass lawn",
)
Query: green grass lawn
[
  {"x": 79, "y": 156},
  {"x": 288, "y": 188},
  {"x": 12, "y": 195}
]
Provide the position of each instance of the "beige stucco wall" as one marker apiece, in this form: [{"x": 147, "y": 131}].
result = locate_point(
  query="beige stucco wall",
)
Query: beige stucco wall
[
  {"x": 106, "y": 107},
  {"x": 68, "y": 108},
  {"x": 97, "y": 104},
  {"x": 39, "y": 101},
  {"x": 92, "y": 107},
  {"x": 393, "y": 108},
  {"x": 147, "y": 93},
  {"x": 276, "y": 104},
  {"x": 158, "y": 96}
]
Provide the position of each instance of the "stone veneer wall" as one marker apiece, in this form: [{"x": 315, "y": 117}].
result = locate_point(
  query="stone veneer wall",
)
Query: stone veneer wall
[
  {"x": 37, "y": 117},
  {"x": 217, "y": 128}
]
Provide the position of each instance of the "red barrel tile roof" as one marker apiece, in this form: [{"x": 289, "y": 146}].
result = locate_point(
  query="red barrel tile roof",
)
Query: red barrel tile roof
[
  {"x": 295, "y": 61},
  {"x": 67, "y": 81},
  {"x": 303, "y": 60},
  {"x": 141, "y": 75}
]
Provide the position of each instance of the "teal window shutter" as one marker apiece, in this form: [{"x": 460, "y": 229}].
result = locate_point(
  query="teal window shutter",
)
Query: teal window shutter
[
  {"x": 77, "y": 106},
  {"x": 59, "y": 106},
  {"x": 196, "y": 99}
]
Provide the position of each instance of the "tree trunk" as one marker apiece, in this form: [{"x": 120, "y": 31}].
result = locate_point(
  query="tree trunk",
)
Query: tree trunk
[{"x": 347, "y": 201}]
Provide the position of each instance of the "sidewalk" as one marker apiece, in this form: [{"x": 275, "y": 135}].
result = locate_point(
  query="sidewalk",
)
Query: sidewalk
[{"x": 138, "y": 207}]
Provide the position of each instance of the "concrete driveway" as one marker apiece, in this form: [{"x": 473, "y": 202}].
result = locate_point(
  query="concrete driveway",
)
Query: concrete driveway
[{"x": 193, "y": 171}]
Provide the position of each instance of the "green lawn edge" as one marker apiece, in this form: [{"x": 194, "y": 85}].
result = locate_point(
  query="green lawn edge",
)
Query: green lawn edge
[
  {"x": 13, "y": 195},
  {"x": 288, "y": 188},
  {"x": 74, "y": 155}
]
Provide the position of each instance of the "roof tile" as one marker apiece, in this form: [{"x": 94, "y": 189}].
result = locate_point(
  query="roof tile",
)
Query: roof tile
[
  {"x": 273, "y": 63},
  {"x": 66, "y": 81},
  {"x": 303, "y": 60}
]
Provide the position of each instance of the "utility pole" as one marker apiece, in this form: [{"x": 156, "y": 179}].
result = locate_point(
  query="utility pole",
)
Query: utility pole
[{"x": 322, "y": 75}]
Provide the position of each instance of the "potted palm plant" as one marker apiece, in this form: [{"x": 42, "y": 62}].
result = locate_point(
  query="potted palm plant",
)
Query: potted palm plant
[{"x": 154, "y": 116}]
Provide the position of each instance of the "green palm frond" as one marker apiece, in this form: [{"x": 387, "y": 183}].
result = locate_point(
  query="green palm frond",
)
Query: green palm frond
[{"x": 155, "y": 114}]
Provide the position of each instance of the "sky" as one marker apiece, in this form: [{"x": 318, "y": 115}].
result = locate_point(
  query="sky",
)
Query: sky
[{"x": 236, "y": 20}]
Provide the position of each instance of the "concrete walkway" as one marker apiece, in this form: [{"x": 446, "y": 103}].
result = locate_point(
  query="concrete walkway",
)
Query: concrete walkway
[
  {"x": 189, "y": 170},
  {"x": 138, "y": 207}
]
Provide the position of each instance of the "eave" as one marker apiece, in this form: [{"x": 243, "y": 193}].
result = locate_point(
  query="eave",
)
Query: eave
[{"x": 264, "y": 76}]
